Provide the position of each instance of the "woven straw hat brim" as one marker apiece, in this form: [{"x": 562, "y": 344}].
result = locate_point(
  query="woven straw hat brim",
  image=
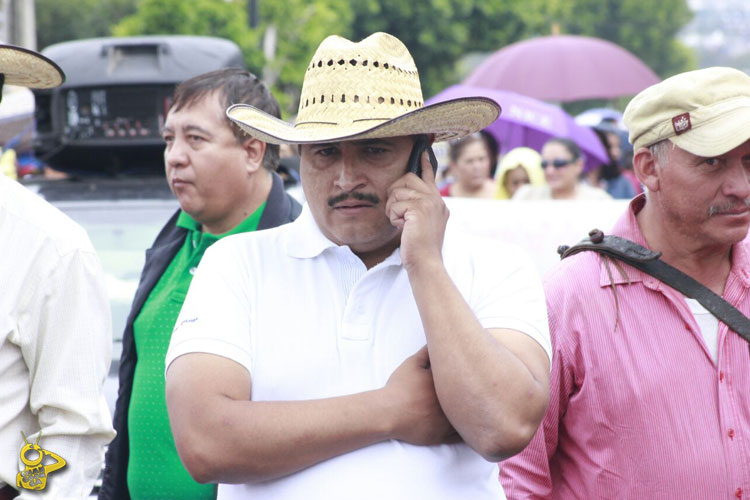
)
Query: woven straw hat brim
[
  {"x": 28, "y": 68},
  {"x": 447, "y": 120}
]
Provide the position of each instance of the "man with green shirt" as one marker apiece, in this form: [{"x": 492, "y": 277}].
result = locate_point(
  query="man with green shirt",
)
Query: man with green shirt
[{"x": 225, "y": 183}]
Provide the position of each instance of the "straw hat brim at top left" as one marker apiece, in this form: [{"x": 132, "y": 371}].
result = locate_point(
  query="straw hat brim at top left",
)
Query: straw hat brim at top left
[{"x": 27, "y": 68}]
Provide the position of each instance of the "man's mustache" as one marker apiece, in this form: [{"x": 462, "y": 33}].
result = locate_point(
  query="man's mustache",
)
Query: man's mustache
[
  {"x": 355, "y": 195},
  {"x": 731, "y": 205}
]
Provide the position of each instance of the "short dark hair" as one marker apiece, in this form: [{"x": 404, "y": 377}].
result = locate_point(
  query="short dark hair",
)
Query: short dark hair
[
  {"x": 569, "y": 144},
  {"x": 234, "y": 86}
]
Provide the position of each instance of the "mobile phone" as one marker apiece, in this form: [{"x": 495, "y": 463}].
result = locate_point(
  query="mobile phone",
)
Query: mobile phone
[{"x": 421, "y": 145}]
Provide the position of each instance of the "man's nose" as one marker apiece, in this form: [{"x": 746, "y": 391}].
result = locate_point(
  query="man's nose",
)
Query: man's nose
[
  {"x": 350, "y": 175},
  {"x": 175, "y": 154},
  {"x": 738, "y": 182}
]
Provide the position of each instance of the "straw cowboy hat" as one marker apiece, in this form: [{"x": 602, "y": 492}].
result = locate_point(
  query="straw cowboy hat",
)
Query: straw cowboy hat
[
  {"x": 19, "y": 66},
  {"x": 365, "y": 90}
]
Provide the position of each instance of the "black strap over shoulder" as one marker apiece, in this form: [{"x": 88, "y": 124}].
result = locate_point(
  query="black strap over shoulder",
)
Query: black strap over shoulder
[{"x": 649, "y": 262}]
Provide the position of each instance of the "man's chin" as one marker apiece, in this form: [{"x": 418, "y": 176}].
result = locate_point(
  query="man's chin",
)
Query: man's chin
[
  {"x": 361, "y": 242},
  {"x": 189, "y": 208},
  {"x": 733, "y": 235}
]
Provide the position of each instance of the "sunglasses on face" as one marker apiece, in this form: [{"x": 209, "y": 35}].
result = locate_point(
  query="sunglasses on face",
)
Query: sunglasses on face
[{"x": 557, "y": 163}]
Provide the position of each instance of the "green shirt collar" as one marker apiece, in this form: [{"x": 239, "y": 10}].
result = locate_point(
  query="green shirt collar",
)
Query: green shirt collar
[{"x": 247, "y": 225}]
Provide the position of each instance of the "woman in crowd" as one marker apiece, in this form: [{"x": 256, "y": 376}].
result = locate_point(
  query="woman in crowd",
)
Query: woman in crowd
[
  {"x": 470, "y": 167},
  {"x": 562, "y": 163},
  {"x": 610, "y": 176},
  {"x": 518, "y": 167}
]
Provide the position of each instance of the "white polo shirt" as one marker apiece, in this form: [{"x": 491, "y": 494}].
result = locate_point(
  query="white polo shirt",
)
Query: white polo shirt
[{"x": 309, "y": 321}]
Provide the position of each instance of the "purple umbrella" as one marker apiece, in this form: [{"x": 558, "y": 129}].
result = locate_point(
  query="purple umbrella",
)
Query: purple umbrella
[
  {"x": 529, "y": 122},
  {"x": 564, "y": 68}
]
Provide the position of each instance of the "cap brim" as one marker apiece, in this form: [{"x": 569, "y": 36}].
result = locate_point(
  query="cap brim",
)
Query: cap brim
[
  {"x": 447, "y": 120},
  {"x": 28, "y": 68},
  {"x": 718, "y": 136}
]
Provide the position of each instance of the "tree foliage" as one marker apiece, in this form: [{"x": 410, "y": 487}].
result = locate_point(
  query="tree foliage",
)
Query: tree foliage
[
  {"x": 300, "y": 26},
  {"x": 225, "y": 19},
  {"x": 59, "y": 21},
  {"x": 439, "y": 33}
]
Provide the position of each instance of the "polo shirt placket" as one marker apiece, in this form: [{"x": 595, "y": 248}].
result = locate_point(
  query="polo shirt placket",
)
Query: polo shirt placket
[{"x": 364, "y": 293}]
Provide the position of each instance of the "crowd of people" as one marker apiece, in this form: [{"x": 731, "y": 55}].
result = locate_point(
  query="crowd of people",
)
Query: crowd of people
[
  {"x": 358, "y": 347},
  {"x": 556, "y": 172}
]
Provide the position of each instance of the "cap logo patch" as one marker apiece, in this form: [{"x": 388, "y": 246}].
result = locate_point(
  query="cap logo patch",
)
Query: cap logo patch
[{"x": 681, "y": 123}]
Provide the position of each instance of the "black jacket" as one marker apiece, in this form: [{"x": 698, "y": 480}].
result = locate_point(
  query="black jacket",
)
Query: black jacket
[{"x": 280, "y": 209}]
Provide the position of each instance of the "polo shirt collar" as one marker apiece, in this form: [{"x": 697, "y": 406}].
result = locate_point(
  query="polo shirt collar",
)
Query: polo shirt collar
[
  {"x": 627, "y": 227},
  {"x": 186, "y": 222},
  {"x": 305, "y": 240},
  {"x": 250, "y": 223}
]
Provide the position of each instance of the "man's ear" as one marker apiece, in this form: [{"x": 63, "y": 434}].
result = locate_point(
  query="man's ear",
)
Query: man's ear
[
  {"x": 645, "y": 168},
  {"x": 254, "y": 151}
]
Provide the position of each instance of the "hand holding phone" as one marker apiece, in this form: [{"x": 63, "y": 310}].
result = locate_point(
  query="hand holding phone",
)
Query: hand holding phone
[
  {"x": 421, "y": 145},
  {"x": 418, "y": 210}
]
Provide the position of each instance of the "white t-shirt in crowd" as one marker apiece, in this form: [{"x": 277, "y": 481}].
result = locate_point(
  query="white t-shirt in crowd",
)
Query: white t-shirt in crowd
[
  {"x": 708, "y": 324},
  {"x": 309, "y": 321}
]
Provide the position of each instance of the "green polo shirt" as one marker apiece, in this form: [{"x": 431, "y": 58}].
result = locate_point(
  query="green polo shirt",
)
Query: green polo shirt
[{"x": 154, "y": 468}]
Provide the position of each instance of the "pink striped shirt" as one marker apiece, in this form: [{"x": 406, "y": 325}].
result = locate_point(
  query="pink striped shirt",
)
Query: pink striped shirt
[{"x": 640, "y": 411}]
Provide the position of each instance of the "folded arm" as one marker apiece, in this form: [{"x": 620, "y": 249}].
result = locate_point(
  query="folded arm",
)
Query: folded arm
[{"x": 224, "y": 436}]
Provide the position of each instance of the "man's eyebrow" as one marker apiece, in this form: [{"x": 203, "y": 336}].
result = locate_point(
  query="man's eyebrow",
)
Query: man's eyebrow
[
  {"x": 187, "y": 128},
  {"x": 196, "y": 128}
]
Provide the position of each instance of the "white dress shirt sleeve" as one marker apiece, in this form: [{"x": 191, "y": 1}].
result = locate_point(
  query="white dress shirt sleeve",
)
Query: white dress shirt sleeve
[{"x": 66, "y": 342}]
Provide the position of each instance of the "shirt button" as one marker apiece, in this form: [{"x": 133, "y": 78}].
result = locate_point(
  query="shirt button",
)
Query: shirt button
[
  {"x": 731, "y": 433},
  {"x": 721, "y": 376},
  {"x": 738, "y": 493},
  {"x": 192, "y": 270}
]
